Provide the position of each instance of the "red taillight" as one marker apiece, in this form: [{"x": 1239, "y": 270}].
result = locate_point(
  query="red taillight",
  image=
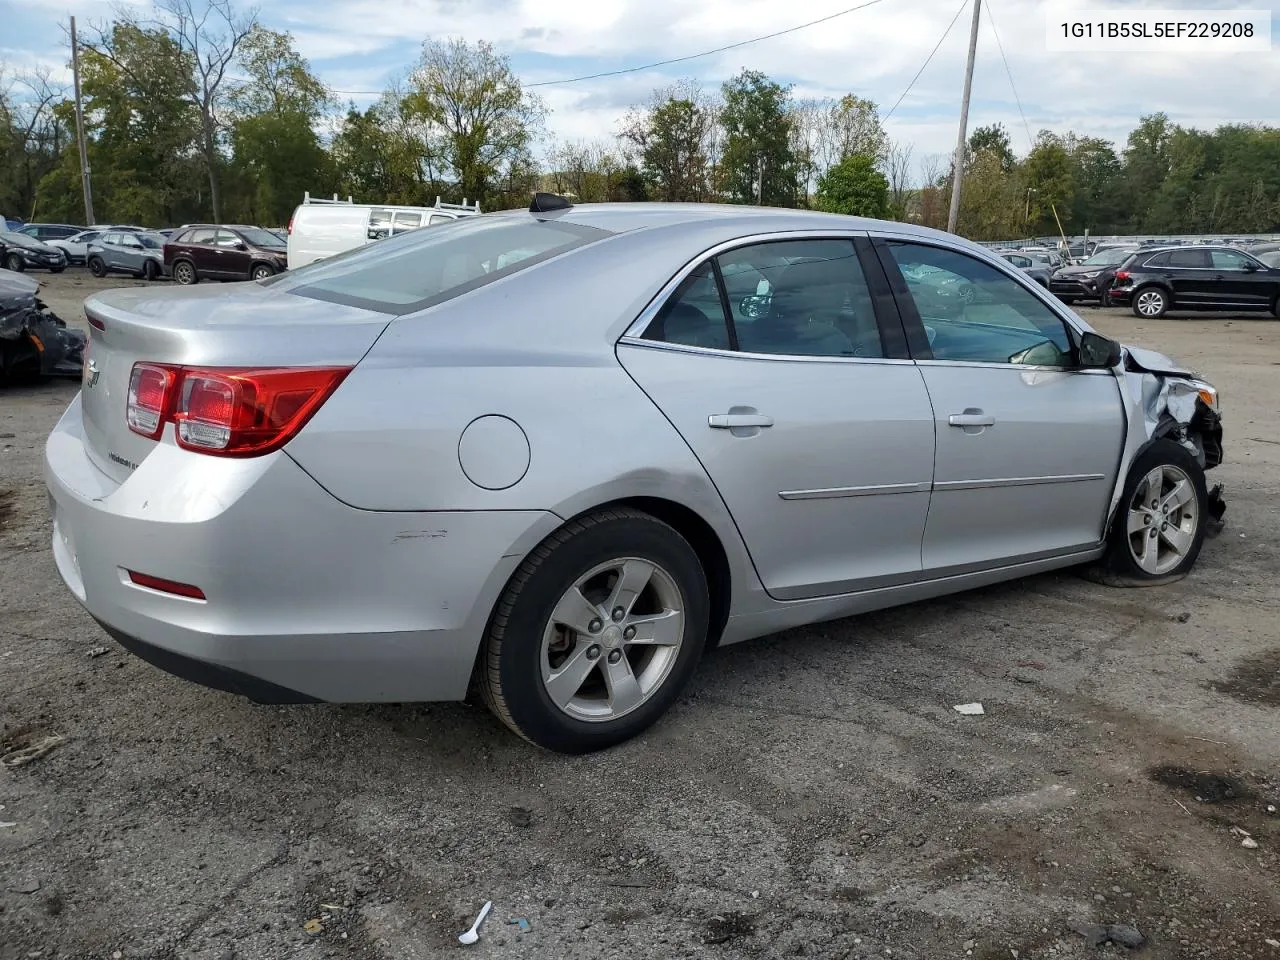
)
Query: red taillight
[
  {"x": 166, "y": 586},
  {"x": 149, "y": 389},
  {"x": 289, "y": 229},
  {"x": 237, "y": 412},
  {"x": 95, "y": 322},
  {"x": 1123, "y": 275}
]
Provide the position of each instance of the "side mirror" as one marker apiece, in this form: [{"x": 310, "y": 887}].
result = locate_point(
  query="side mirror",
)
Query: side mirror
[
  {"x": 1098, "y": 352},
  {"x": 1250, "y": 266},
  {"x": 241, "y": 246}
]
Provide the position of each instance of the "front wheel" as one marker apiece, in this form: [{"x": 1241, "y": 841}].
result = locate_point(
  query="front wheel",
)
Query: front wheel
[
  {"x": 1160, "y": 524},
  {"x": 1068, "y": 300},
  {"x": 98, "y": 267},
  {"x": 184, "y": 272},
  {"x": 15, "y": 263},
  {"x": 1150, "y": 303},
  {"x": 56, "y": 269},
  {"x": 150, "y": 271},
  {"x": 261, "y": 271},
  {"x": 597, "y": 632}
]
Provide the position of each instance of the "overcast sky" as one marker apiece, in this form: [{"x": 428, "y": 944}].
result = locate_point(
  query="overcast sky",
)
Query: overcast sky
[{"x": 357, "y": 46}]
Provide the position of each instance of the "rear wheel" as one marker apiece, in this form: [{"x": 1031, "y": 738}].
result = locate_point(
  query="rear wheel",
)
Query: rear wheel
[
  {"x": 15, "y": 263},
  {"x": 184, "y": 272},
  {"x": 1160, "y": 525},
  {"x": 261, "y": 271},
  {"x": 98, "y": 267},
  {"x": 597, "y": 632},
  {"x": 1150, "y": 303}
]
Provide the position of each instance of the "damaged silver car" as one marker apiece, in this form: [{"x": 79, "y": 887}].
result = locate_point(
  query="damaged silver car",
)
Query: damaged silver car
[
  {"x": 34, "y": 342},
  {"x": 556, "y": 454}
]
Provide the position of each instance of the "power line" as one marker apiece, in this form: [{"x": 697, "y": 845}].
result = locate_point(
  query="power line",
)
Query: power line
[
  {"x": 991, "y": 18},
  {"x": 946, "y": 33},
  {"x": 706, "y": 53},
  {"x": 666, "y": 63}
]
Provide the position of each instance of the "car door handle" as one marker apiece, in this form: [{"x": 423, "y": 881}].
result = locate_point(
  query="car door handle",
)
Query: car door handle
[
  {"x": 727, "y": 421},
  {"x": 978, "y": 419}
]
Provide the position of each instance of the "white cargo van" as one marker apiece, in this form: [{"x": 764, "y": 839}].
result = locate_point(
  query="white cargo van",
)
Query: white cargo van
[{"x": 320, "y": 228}]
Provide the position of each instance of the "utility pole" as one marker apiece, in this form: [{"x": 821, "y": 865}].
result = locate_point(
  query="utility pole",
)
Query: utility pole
[
  {"x": 84, "y": 155},
  {"x": 958, "y": 174}
]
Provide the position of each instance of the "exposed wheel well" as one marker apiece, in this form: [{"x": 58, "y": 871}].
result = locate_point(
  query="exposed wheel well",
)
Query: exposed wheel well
[{"x": 706, "y": 544}]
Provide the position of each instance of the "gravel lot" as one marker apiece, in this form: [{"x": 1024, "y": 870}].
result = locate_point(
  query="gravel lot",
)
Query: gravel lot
[{"x": 814, "y": 794}]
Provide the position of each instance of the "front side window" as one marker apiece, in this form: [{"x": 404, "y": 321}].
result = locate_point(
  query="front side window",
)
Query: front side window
[
  {"x": 203, "y": 236},
  {"x": 1228, "y": 260},
  {"x": 973, "y": 312},
  {"x": 225, "y": 238}
]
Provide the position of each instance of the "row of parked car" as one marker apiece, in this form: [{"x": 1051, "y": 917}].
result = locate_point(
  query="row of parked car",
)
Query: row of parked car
[
  {"x": 188, "y": 254},
  {"x": 1153, "y": 278}
]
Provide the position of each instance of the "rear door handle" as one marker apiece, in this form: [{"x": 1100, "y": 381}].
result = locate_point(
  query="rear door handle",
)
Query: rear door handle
[
  {"x": 971, "y": 419},
  {"x": 727, "y": 421}
]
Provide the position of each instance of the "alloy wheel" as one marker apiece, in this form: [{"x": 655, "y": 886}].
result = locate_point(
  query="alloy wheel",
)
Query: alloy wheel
[
  {"x": 1164, "y": 515},
  {"x": 261, "y": 273},
  {"x": 1151, "y": 303},
  {"x": 612, "y": 639},
  {"x": 184, "y": 273}
]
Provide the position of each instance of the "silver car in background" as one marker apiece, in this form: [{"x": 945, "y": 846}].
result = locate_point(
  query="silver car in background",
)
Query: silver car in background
[
  {"x": 558, "y": 453},
  {"x": 139, "y": 254}
]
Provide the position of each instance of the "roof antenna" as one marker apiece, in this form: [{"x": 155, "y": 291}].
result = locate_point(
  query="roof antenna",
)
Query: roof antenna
[{"x": 546, "y": 202}]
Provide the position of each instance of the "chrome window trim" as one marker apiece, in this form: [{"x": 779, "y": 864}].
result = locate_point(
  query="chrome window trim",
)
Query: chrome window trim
[
  {"x": 632, "y": 341},
  {"x": 647, "y": 315},
  {"x": 996, "y": 365}
]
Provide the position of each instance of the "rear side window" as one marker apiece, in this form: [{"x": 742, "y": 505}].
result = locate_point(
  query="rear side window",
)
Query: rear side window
[
  {"x": 406, "y": 220},
  {"x": 200, "y": 236},
  {"x": 379, "y": 224},
  {"x": 420, "y": 268},
  {"x": 1189, "y": 259}
]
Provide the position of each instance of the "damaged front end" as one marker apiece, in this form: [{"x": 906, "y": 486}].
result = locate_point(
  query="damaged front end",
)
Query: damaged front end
[
  {"x": 1172, "y": 403},
  {"x": 34, "y": 342}
]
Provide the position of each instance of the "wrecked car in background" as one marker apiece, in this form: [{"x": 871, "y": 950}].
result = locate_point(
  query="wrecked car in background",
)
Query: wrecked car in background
[
  {"x": 34, "y": 342},
  {"x": 780, "y": 418}
]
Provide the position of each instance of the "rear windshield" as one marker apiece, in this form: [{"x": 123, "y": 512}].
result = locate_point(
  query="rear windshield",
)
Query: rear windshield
[{"x": 415, "y": 270}]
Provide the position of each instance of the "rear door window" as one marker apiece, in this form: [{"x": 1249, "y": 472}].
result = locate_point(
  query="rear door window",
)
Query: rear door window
[
  {"x": 420, "y": 268},
  {"x": 1189, "y": 259},
  {"x": 203, "y": 235}
]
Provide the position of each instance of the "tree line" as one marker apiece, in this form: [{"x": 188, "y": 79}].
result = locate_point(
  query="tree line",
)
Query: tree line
[{"x": 194, "y": 111}]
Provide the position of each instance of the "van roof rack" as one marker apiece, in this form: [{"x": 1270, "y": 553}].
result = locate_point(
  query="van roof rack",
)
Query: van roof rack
[
  {"x": 308, "y": 198},
  {"x": 469, "y": 208}
]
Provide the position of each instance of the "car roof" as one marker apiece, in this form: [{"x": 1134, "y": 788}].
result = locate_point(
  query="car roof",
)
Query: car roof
[{"x": 736, "y": 221}]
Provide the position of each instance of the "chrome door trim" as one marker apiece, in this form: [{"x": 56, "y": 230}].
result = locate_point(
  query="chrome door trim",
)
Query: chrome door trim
[
  {"x": 875, "y": 490},
  {"x": 1016, "y": 481},
  {"x": 641, "y": 323},
  {"x": 1091, "y": 371}
]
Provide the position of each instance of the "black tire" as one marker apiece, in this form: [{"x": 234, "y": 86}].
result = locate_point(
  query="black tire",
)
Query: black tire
[
  {"x": 1275, "y": 307},
  {"x": 510, "y": 664},
  {"x": 1157, "y": 296},
  {"x": 15, "y": 263},
  {"x": 98, "y": 267},
  {"x": 150, "y": 272},
  {"x": 1119, "y": 566},
  {"x": 260, "y": 271},
  {"x": 1067, "y": 300},
  {"x": 56, "y": 269},
  {"x": 184, "y": 272}
]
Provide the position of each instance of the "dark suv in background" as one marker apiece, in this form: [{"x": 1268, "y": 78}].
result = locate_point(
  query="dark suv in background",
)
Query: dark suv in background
[
  {"x": 210, "y": 252},
  {"x": 1156, "y": 280},
  {"x": 1091, "y": 279}
]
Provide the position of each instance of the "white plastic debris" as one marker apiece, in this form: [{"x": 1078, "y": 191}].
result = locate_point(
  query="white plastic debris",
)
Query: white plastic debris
[
  {"x": 969, "y": 709},
  {"x": 7, "y": 823},
  {"x": 471, "y": 936},
  {"x": 1249, "y": 843}
]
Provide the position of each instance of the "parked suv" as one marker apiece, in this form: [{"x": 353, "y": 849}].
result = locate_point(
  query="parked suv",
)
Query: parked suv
[
  {"x": 137, "y": 254},
  {"x": 211, "y": 252},
  {"x": 49, "y": 231},
  {"x": 1195, "y": 278},
  {"x": 1091, "y": 279}
]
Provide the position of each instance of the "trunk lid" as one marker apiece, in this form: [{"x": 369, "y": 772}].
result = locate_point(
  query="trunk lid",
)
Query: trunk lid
[{"x": 249, "y": 325}]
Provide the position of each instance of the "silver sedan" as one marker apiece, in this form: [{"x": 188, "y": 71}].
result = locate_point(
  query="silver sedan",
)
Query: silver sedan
[{"x": 556, "y": 454}]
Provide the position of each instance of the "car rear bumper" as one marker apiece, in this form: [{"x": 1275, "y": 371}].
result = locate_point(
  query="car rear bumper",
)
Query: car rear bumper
[
  {"x": 1119, "y": 296},
  {"x": 306, "y": 598}
]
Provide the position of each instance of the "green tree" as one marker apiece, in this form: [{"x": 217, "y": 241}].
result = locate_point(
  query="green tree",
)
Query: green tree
[
  {"x": 1097, "y": 175},
  {"x": 994, "y": 140},
  {"x": 476, "y": 115},
  {"x": 758, "y": 164},
  {"x": 1047, "y": 172},
  {"x": 1146, "y": 164},
  {"x": 673, "y": 139},
  {"x": 854, "y": 186},
  {"x": 276, "y": 153}
]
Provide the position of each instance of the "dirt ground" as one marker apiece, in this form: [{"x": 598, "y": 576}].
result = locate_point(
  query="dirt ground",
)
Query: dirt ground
[{"x": 814, "y": 794}]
